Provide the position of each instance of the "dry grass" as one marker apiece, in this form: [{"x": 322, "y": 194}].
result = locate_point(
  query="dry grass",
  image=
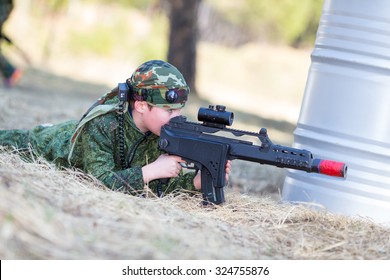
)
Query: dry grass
[{"x": 46, "y": 213}]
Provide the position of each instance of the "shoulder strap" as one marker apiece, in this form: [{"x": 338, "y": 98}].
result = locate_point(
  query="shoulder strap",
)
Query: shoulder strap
[{"x": 97, "y": 109}]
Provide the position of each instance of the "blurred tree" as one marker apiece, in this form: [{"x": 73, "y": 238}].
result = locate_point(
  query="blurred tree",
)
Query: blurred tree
[{"x": 183, "y": 37}]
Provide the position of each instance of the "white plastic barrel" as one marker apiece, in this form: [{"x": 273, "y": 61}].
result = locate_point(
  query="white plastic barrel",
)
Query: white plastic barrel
[{"x": 345, "y": 113}]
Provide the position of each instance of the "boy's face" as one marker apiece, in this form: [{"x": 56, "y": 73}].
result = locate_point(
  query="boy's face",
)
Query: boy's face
[{"x": 154, "y": 118}]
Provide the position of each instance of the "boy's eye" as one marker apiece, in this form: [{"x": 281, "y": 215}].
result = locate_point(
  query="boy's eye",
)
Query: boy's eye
[{"x": 170, "y": 111}]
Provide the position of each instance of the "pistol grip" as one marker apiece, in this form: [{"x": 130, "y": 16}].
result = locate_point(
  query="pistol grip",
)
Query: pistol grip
[{"x": 211, "y": 193}]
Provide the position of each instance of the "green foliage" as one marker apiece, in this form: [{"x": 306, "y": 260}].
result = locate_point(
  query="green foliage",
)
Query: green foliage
[
  {"x": 290, "y": 21},
  {"x": 294, "y": 18},
  {"x": 154, "y": 46},
  {"x": 49, "y": 6},
  {"x": 99, "y": 40},
  {"x": 138, "y": 4},
  {"x": 119, "y": 36},
  {"x": 56, "y": 5},
  {"x": 60, "y": 5}
]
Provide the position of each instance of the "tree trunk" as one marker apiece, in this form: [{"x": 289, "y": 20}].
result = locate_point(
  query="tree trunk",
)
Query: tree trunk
[{"x": 183, "y": 37}]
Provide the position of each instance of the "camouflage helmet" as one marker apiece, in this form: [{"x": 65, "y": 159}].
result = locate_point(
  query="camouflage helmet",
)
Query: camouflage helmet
[{"x": 160, "y": 84}]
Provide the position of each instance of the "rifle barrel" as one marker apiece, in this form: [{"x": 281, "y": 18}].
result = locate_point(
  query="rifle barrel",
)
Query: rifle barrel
[{"x": 329, "y": 167}]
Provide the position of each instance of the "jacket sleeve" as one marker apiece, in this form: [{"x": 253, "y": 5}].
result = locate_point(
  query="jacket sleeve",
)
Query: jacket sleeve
[{"x": 98, "y": 146}]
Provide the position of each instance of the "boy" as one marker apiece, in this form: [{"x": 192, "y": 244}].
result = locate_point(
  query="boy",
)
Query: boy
[{"x": 117, "y": 139}]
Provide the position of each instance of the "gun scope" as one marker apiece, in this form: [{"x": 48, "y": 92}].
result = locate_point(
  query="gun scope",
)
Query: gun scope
[{"x": 217, "y": 115}]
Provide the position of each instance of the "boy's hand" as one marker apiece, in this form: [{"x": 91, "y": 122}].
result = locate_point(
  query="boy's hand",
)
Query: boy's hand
[
  {"x": 165, "y": 166},
  {"x": 198, "y": 178}
]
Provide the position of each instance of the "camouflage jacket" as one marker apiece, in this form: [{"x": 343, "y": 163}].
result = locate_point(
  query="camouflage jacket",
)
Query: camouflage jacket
[{"x": 96, "y": 151}]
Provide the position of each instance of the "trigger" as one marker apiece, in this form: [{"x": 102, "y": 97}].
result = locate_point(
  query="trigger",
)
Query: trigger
[{"x": 187, "y": 165}]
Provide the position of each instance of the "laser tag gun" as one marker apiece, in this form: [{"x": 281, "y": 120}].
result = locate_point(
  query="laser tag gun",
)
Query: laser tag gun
[{"x": 202, "y": 149}]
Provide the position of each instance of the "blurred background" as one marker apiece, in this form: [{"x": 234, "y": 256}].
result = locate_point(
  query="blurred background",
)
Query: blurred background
[
  {"x": 252, "y": 56},
  {"x": 249, "y": 54}
]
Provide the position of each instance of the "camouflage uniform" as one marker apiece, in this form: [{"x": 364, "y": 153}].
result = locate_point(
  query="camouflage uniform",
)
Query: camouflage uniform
[
  {"x": 6, "y": 68},
  {"x": 92, "y": 144}
]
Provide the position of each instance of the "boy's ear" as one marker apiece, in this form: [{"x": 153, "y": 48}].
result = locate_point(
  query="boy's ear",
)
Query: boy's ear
[{"x": 140, "y": 106}]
